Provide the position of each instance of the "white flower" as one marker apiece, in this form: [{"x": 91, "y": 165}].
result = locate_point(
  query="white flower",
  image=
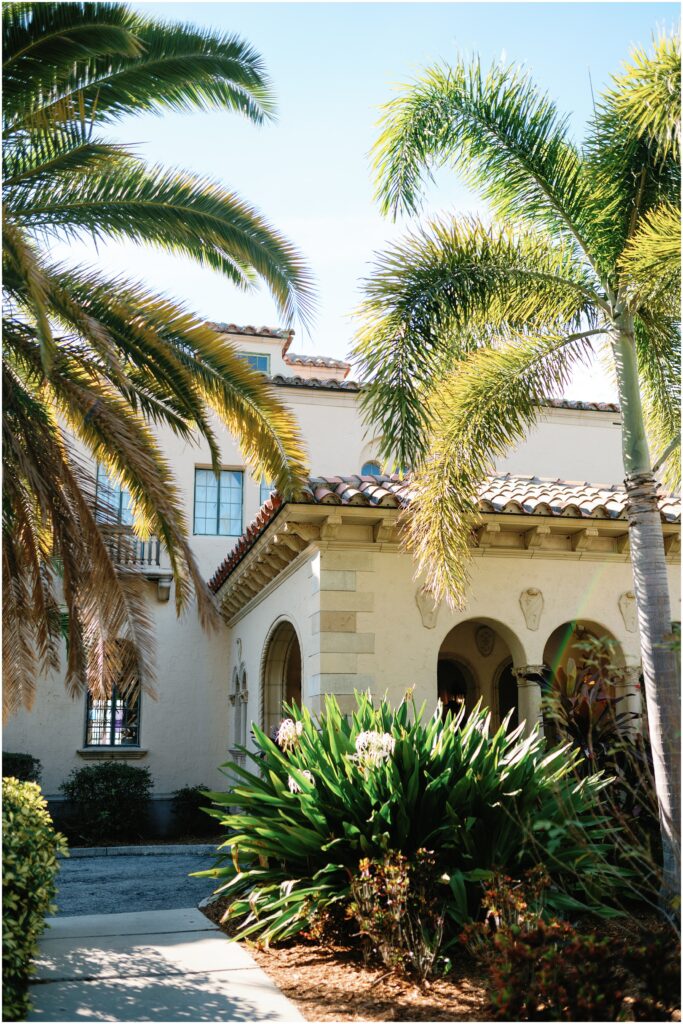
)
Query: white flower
[
  {"x": 288, "y": 733},
  {"x": 372, "y": 748},
  {"x": 294, "y": 786}
]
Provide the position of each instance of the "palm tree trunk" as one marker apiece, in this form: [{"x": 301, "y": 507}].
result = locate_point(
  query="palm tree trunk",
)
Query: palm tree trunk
[{"x": 651, "y": 587}]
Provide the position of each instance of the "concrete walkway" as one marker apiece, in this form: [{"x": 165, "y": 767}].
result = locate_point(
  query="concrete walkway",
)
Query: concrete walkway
[{"x": 161, "y": 965}]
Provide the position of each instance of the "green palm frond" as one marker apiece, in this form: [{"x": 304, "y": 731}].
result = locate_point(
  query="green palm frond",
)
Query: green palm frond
[
  {"x": 479, "y": 412},
  {"x": 651, "y": 261},
  {"x": 176, "y": 212},
  {"x": 445, "y": 289},
  {"x": 102, "y": 61},
  {"x": 658, "y": 346},
  {"x": 504, "y": 137},
  {"x": 648, "y": 94},
  {"x": 99, "y": 362}
]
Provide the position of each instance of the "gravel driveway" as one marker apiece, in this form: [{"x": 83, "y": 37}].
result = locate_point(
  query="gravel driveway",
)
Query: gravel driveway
[{"x": 116, "y": 884}]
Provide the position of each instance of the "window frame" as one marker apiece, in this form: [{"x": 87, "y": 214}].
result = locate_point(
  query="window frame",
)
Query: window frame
[
  {"x": 224, "y": 469},
  {"x": 257, "y": 355},
  {"x": 110, "y": 745},
  {"x": 101, "y": 515}
]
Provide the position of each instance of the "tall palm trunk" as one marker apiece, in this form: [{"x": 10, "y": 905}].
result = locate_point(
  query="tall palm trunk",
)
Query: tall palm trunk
[{"x": 660, "y": 669}]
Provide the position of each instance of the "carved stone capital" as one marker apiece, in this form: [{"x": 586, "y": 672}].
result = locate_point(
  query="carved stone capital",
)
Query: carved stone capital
[{"x": 529, "y": 675}]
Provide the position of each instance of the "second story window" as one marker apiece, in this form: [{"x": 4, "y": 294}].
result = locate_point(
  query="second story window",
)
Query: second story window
[
  {"x": 265, "y": 490},
  {"x": 112, "y": 503},
  {"x": 218, "y": 503},
  {"x": 256, "y": 361}
]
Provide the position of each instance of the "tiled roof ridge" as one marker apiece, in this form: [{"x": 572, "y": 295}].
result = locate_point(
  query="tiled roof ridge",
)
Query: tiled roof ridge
[
  {"x": 504, "y": 493},
  {"x": 266, "y": 332},
  {"x": 305, "y": 360},
  {"x": 324, "y": 384}
]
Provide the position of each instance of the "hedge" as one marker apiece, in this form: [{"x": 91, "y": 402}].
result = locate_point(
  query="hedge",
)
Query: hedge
[
  {"x": 29, "y": 865},
  {"x": 24, "y": 767}
]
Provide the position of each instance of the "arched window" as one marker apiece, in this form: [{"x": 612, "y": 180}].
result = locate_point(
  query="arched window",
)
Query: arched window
[
  {"x": 114, "y": 721},
  {"x": 371, "y": 469},
  {"x": 238, "y": 700}
]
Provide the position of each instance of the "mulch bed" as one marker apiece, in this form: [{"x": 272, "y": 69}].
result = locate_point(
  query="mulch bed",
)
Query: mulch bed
[{"x": 331, "y": 983}]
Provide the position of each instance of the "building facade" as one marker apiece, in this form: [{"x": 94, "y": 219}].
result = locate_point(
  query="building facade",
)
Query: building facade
[{"x": 318, "y": 596}]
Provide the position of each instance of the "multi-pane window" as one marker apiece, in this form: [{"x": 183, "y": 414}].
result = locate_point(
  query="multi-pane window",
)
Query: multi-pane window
[
  {"x": 265, "y": 490},
  {"x": 115, "y": 721},
  {"x": 371, "y": 469},
  {"x": 218, "y": 502},
  {"x": 111, "y": 501},
  {"x": 257, "y": 362}
]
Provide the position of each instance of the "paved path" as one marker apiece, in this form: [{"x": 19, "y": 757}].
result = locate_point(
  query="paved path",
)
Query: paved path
[
  {"x": 163, "y": 965},
  {"x": 113, "y": 884}
]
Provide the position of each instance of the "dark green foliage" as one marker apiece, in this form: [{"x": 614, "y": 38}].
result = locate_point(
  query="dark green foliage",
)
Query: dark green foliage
[
  {"x": 554, "y": 972},
  {"x": 551, "y": 972},
  {"x": 338, "y": 790},
  {"x": 29, "y": 865},
  {"x": 189, "y": 812},
  {"x": 24, "y": 767},
  {"x": 109, "y": 801}
]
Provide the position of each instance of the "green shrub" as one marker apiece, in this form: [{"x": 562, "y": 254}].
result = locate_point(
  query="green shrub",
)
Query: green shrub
[
  {"x": 334, "y": 791},
  {"x": 109, "y": 801},
  {"x": 29, "y": 865},
  {"x": 24, "y": 767},
  {"x": 189, "y": 808}
]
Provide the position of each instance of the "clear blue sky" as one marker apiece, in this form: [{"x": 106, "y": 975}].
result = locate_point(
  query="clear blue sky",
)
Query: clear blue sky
[{"x": 332, "y": 66}]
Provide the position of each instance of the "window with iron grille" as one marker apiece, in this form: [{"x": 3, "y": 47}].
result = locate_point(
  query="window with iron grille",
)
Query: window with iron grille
[
  {"x": 112, "y": 502},
  {"x": 256, "y": 361},
  {"x": 115, "y": 721},
  {"x": 218, "y": 502}
]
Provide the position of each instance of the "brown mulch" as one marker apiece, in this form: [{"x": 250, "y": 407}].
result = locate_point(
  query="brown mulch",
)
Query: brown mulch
[{"x": 331, "y": 983}]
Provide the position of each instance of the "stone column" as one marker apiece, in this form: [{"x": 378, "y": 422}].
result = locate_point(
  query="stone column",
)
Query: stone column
[
  {"x": 631, "y": 690},
  {"x": 529, "y": 679}
]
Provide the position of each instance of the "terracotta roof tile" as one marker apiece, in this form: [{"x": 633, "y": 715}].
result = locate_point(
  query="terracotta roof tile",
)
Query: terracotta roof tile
[
  {"x": 295, "y": 359},
  {"x": 508, "y": 494},
  {"x": 331, "y": 384},
  {"x": 262, "y": 332}
]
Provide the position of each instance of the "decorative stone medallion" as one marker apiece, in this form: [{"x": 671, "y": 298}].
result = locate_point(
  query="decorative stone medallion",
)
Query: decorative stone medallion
[
  {"x": 484, "y": 638},
  {"x": 531, "y": 602}
]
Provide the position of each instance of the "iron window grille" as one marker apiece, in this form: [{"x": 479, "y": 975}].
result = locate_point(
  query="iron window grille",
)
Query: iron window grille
[{"x": 115, "y": 721}]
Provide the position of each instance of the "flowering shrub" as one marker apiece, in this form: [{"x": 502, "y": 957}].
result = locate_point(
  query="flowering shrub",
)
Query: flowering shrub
[{"x": 338, "y": 790}]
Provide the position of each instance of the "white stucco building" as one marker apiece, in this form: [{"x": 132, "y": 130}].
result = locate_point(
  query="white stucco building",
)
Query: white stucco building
[{"x": 318, "y": 597}]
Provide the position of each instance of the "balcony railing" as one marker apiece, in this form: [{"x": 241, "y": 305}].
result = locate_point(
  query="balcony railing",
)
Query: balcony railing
[{"x": 127, "y": 549}]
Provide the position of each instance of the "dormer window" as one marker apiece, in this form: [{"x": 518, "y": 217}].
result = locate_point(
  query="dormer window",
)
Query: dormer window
[{"x": 257, "y": 361}]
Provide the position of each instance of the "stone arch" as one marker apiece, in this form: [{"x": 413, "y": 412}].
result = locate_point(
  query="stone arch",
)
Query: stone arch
[
  {"x": 561, "y": 643},
  {"x": 479, "y": 653},
  {"x": 281, "y": 673}
]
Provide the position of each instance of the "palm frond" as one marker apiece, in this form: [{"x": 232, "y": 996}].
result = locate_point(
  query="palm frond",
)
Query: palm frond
[
  {"x": 104, "y": 61},
  {"x": 499, "y": 131},
  {"x": 648, "y": 94},
  {"x": 479, "y": 412},
  {"x": 448, "y": 288},
  {"x": 651, "y": 262},
  {"x": 178, "y": 213},
  {"x": 658, "y": 345}
]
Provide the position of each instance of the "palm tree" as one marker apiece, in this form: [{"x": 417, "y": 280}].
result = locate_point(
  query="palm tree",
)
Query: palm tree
[
  {"x": 467, "y": 329},
  {"x": 94, "y": 363}
]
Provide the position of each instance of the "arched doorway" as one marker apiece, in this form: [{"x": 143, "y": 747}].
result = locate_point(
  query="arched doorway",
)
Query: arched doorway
[
  {"x": 281, "y": 674},
  {"x": 475, "y": 661}
]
